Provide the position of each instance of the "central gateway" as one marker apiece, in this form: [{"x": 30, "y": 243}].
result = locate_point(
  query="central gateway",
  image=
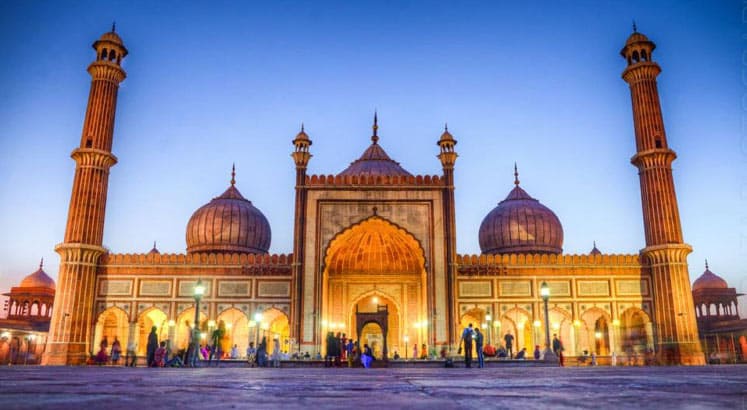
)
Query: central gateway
[{"x": 373, "y": 235}]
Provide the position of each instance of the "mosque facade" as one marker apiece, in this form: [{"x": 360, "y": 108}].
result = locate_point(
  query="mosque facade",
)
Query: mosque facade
[{"x": 376, "y": 238}]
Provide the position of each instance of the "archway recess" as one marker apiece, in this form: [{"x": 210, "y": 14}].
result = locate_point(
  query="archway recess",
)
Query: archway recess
[{"x": 374, "y": 259}]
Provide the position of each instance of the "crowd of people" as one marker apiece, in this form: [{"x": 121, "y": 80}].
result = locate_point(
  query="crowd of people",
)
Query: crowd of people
[{"x": 473, "y": 339}]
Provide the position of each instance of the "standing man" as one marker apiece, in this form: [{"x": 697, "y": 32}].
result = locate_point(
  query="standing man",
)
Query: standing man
[
  {"x": 152, "y": 346},
  {"x": 131, "y": 352},
  {"x": 467, "y": 335},
  {"x": 509, "y": 339},
  {"x": 478, "y": 347},
  {"x": 556, "y": 344}
]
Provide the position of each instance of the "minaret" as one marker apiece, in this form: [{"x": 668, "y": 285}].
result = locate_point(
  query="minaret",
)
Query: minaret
[
  {"x": 448, "y": 158},
  {"x": 665, "y": 254},
  {"x": 73, "y": 315},
  {"x": 301, "y": 157}
]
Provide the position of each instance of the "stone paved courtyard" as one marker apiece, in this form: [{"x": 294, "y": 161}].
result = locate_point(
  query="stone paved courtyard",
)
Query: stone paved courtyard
[{"x": 314, "y": 388}]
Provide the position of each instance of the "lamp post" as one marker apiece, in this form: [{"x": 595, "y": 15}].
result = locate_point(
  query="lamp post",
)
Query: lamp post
[
  {"x": 199, "y": 290},
  {"x": 549, "y": 354},
  {"x": 488, "y": 319},
  {"x": 407, "y": 340}
]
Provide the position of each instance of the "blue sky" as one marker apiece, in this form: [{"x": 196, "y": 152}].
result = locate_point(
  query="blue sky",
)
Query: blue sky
[{"x": 214, "y": 83}]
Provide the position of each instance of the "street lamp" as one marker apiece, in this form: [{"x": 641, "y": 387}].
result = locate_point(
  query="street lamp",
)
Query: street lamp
[
  {"x": 549, "y": 354},
  {"x": 407, "y": 340},
  {"x": 199, "y": 290}
]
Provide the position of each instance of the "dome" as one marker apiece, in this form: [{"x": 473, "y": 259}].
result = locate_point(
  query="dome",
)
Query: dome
[
  {"x": 520, "y": 224},
  {"x": 228, "y": 223},
  {"x": 111, "y": 36},
  {"x": 595, "y": 250},
  {"x": 636, "y": 37},
  {"x": 38, "y": 279},
  {"x": 709, "y": 280},
  {"x": 375, "y": 160}
]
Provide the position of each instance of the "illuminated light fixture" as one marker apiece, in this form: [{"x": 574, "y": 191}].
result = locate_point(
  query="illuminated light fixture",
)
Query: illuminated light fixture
[
  {"x": 375, "y": 299},
  {"x": 258, "y": 317},
  {"x": 598, "y": 335},
  {"x": 497, "y": 323},
  {"x": 577, "y": 323},
  {"x": 556, "y": 326},
  {"x": 488, "y": 317},
  {"x": 229, "y": 325},
  {"x": 537, "y": 323},
  {"x": 615, "y": 322},
  {"x": 172, "y": 323},
  {"x": 203, "y": 335},
  {"x": 211, "y": 323},
  {"x": 484, "y": 325}
]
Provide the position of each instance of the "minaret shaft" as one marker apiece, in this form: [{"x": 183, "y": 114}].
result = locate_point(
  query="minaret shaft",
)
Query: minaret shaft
[
  {"x": 73, "y": 314},
  {"x": 665, "y": 254}
]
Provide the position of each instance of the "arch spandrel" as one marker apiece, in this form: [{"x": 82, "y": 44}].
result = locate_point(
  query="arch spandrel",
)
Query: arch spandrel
[{"x": 374, "y": 246}]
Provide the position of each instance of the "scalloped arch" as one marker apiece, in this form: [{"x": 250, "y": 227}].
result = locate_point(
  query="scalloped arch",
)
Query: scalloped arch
[{"x": 374, "y": 246}]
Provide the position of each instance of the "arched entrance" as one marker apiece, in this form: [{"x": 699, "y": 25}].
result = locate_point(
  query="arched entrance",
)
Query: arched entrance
[
  {"x": 112, "y": 323},
  {"x": 373, "y": 330},
  {"x": 371, "y": 263},
  {"x": 148, "y": 319}
]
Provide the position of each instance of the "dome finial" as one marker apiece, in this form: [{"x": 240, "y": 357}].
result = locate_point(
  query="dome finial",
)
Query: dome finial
[
  {"x": 375, "y": 136},
  {"x": 446, "y": 126},
  {"x": 233, "y": 174},
  {"x": 41, "y": 263},
  {"x": 302, "y": 130},
  {"x": 635, "y": 28},
  {"x": 706, "y": 263},
  {"x": 114, "y": 26},
  {"x": 516, "y": 175}
]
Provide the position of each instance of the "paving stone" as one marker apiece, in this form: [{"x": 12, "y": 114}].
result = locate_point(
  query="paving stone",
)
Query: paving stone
[{"x": 712, "y": 387}]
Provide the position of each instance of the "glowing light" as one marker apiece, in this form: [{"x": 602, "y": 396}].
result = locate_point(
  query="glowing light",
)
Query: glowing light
[
  {"x": 203, "y": 335},
  {"x": 488, "y": 317},
  {"x": 577, "y": 323},
  {"x": 258, "y": 317},
  {"x": 375, "y": 299},
  {"x": 484, "y": 325},
  {"x": 211, "y": 323},
  {"x": 252, "y": 323},
  {"x": 229, "y": 326},
  {"x": 556, "y": 326},
  {"x": 406, "y": 338},
  {"x": 537, "y": 323},
  {"x": 199, "y": 288},
  {"x": 598, "y": 335},
  {"x": 5, "y": 335},
  {"x": 172, "y": 323},
  {"x": 615, "y": 322},
  {"x": 497, "y": 323},
  {"x": 324, "y": 323}
]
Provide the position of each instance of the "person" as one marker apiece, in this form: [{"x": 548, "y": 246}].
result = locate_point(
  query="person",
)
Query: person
[
  {"x": 613, "y": 359},
  {"x": 367, "y": 356},
  {"x": 424, "y": 351},
  {"x": 159, "y": 356},
  {"x": 116, "y": 351},
  {"x": 537, "y": 353},
  {"x": 175, "y": 361},
  {"x": 509, "y": 339},
  {"x": 338, "y": 349},
  {"x": 415, "y": 351},
  {"x": 204, "y": 352},
  {"x": 152, "y": 346},
  {"x": 478, "y": 347},
  {"x": 275, "y": 353},
  {"x": 557, "y": 345},
  {"x": 501, "y": 353},
  {"x": 466, "y": 339},
  {"x": 262, "y": 353},
  {"x": 251, "y": 355},
  {"x": 330, "y": 349},
  {"x": 344, "y": 347},
  {"x": 235, "y": 352},
  {"x": 306, "y": 356},
  {"x": 561, "y": 357},
  {"x": 101, "y": 356},
  {"x": 443, "y": 352},
  {"x": 522, "y": 355},
  {"x": 215, "y": 350},
  {"x": 131, "y": 352},
  {"x": 349, "y": 352},
  {"x": 396, "y": 355},
  {"x": 593, "y": 359}
]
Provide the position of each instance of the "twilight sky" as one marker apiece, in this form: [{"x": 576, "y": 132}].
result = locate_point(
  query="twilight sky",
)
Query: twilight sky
[{"x": 214, "y": 83}]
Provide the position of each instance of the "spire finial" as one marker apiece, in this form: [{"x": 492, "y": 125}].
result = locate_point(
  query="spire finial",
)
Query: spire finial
[
  {"x": 516, "y": 175},
  {"x": 302, "y": 130},
  {"x": 635, "y": 28},
  {"x": 706, "y": 264},
  {"x": 446, "y": 126},
  {"x": 595, "y": 244},
  {"x": 233, "y": 174},
  {"x": 41, "y": 263},
  {"x": 154, "y": 244},
  {"x": 114, "y": 26},
  {"x": 375, "y": 136}
]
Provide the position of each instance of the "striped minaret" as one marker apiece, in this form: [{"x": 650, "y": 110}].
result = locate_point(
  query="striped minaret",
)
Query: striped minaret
[
  {"x": 665, "y": 255},
  {"x": 73, "y": 314}
]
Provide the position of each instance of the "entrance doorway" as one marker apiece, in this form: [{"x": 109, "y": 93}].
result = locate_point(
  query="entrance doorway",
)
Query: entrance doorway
[{"x": 372, "y": 329}]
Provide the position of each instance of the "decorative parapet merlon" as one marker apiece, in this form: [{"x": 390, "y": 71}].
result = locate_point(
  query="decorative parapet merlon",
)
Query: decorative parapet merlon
[
  {"x": 357, "y": 180},
  {"x": 276, "y": 262},
  {"x": 493, "y": 264}
]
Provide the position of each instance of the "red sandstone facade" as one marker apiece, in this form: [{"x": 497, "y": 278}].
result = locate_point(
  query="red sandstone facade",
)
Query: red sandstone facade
[{"x": 376, "y": 234}]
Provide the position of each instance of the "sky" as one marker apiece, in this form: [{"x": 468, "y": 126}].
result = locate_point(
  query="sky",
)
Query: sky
[{"x": 211, "y": 84}]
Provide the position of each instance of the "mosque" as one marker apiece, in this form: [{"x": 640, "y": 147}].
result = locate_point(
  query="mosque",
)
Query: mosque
[{"x": 374, "y": 255}]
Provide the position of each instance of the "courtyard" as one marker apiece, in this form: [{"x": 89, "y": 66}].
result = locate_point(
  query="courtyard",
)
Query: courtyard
[{"x": 708, "y": 387}]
